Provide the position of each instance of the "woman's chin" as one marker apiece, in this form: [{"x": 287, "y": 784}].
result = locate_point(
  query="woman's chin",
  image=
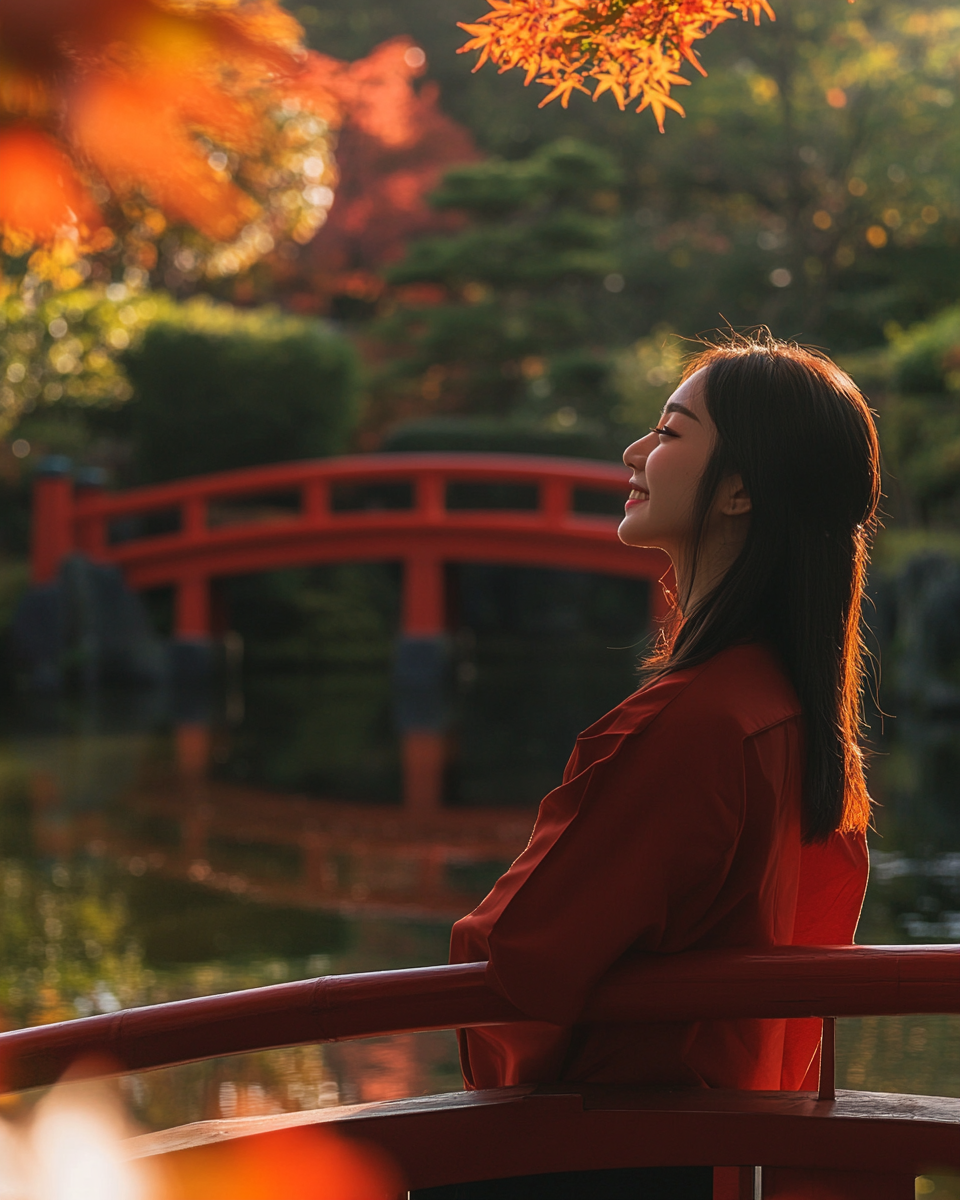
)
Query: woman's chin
[
  {"x": 632, "y": 533},
  {"x": 635, "y": 533}
]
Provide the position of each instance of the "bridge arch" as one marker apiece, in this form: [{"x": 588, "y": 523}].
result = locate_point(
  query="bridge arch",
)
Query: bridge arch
[{"x": 415, "y": 508}]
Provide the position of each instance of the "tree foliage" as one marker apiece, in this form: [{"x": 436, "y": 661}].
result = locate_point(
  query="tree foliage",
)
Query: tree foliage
[
  {"x": 920, "y": 418},
  {"x": 393, "y": 147},
  {"x": 496, "y": 318},
  {"x": 155, "y": 127},
  {"x": 633, "y": 50},
  {"x": 64, "y": 349},
  {"x": 216, "y": 388},
  {"x": 814, "y": 186}
]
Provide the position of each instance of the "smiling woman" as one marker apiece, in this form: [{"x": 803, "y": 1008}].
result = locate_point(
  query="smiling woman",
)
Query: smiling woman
[
  {"x": 723, "y": 804},
  {"x": 668, "y": 465}
]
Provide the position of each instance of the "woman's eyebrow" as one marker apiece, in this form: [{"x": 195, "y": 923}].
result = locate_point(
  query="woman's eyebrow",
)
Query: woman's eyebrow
[{"x": 672, "y": 406}]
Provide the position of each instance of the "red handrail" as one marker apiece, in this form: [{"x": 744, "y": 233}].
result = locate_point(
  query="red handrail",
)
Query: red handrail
[
  {"x": 423, "y": 536},
  {"x": 356, "y": 468},
  {"x": 707, "y": 985}
]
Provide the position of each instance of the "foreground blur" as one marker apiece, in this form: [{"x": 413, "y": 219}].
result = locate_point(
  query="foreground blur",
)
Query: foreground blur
[{"x": 76, "y": 1145}]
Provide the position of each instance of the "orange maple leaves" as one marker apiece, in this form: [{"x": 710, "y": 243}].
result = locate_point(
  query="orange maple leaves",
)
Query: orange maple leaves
[
  {"x": 121, "y": 118},
  {"x": 632, "y": 50}
]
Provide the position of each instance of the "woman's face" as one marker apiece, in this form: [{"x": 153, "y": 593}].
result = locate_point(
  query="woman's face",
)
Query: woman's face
[{"x": 666, "y": 466}]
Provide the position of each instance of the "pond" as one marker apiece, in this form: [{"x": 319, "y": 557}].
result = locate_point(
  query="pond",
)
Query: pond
[{"x": 291, "y": 822}]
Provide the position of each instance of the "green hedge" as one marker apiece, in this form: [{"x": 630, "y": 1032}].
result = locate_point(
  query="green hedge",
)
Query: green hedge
[
  {"x": 926, "y": 357},
  {"x": 217, "y": 387}
]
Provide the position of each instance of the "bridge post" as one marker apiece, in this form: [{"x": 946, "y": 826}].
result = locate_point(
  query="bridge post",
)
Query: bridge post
[
  {"x": 192, "y": 608},
  {"x": 423, "y": 609},
  {"x": 423, "y": 762},
  {"x": 192, "y": 648},
  {"x": 91, "y": 531},
  {"x": 420, "y": 678},
  {"x": 51, "y": 531}
]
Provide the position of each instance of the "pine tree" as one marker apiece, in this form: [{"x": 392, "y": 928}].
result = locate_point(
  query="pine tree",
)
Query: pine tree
[{"x": 502, "y": 317}]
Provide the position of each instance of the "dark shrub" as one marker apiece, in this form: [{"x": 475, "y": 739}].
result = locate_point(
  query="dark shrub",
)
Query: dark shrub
[{"x": 217, "y": 388}]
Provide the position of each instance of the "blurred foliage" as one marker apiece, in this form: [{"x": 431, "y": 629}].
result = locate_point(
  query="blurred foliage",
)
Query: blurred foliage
[
  {"x": 646, "y": 374},
  {"x": 920, "y": 418},
  {"x": 197, "y": 386},
  {"x": 492, "y": 435},
  {"x": 926, "y": 357},
  {"x": 64, "y": 348},
  {"x": 66, "y": 946},
  {"x": 897, "y": 547},
  {"x": 496, "y": 317},
  {"x": 150, "y": 136},
  {"x": 317, "y": 616},
  {"x": 810, "y": 187},
  {"x": 216, "y": 387},
  {"x": 393, "y": 146}
]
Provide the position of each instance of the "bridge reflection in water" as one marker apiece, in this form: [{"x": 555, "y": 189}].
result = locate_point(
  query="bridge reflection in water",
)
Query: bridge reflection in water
[
  {"x": 416, "y": 860},
  {"x": 397, "y": 874}
]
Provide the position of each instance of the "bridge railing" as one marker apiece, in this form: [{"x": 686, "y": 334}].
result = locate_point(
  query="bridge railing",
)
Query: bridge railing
[
  {"x": 781, "y": 982},
  {"x": 826, "y": 1145},
  {"x": 424, "y": 509},
  {"x": 85, "y": 515}
]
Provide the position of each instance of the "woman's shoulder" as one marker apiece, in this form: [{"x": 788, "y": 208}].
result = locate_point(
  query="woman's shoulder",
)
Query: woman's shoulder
[
  {"x": 743, "y": 689},
  {"x": 746, "y": 682}
]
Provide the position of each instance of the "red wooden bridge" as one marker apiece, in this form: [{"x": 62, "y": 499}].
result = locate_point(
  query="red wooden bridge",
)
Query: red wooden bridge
[
  {"x": 424, "y": 510},
  {"x": 809, "y": 1145}
]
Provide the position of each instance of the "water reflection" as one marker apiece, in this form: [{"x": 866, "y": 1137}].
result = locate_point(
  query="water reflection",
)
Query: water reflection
[
  {"x": 151, "y": 852},
  {"x": 158, "y": 846}
]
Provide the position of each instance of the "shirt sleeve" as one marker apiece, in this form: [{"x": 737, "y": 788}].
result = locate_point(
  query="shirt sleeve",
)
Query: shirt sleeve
[{"x": 630, "y": 853}]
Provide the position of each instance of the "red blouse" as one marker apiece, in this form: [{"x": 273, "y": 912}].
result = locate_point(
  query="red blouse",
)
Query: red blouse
[{"x": 676, "y": 827}]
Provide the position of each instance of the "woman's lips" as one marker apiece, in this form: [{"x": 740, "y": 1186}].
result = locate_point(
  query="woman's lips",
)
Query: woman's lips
[{"x": 637, "y": 496}]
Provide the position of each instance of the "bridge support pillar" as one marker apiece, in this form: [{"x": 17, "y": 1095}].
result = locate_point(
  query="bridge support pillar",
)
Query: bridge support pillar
[
  {"x": 424, "y": 608},
  {"x": 192, "y": 648},
  {"x": 52, "y": 518},
  {"x": 421, "y": 670},
  {"x": 192, "y": 619},
  {"x": 424, "y": 759}
]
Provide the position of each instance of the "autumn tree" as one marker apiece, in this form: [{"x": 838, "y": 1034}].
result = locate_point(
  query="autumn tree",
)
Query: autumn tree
[
  {"x": 393, "y": 147},
  {"x": 500, "y": 316},
  {"x": 814, "y": 185},
  {"x": 156, "y": 136}
]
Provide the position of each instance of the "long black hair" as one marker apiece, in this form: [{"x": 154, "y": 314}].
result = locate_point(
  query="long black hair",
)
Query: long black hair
[{"x": 801, "y": 436}]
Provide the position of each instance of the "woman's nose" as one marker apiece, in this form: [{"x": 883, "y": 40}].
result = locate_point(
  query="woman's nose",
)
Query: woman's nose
[{"x": 636, "y": 453}]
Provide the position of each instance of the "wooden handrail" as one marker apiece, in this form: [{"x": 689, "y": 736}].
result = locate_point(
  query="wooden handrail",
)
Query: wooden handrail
[
  {"x": 708, "y": 985},
  {"x": 551, "y": 534},
  {"x": 356, "y": 468}
]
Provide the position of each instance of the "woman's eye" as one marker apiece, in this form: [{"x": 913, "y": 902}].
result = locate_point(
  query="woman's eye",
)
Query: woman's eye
[{"x": 664, "y": 431}]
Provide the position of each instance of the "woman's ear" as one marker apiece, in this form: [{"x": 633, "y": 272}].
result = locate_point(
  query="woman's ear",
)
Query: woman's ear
[{"x": 734, "y": 500}]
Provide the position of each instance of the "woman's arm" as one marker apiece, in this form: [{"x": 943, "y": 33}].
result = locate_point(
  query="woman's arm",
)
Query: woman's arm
[{"x": 631, "y": 852}]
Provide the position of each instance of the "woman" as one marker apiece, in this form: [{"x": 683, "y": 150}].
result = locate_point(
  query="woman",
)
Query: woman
[{"x": 724, "y": 803}]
